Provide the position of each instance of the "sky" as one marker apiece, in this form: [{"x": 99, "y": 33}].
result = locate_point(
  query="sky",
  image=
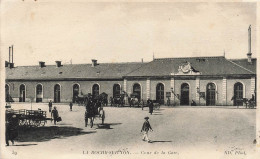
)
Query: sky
[{"x": 124, "y": 32}]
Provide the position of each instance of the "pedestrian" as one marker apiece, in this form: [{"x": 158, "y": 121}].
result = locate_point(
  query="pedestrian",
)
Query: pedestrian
[
  {"x": 145, "y": 129},
  {"x": 54, "y": 114},
  {"x": 71, "y": 104},
  {"x": 50, "y": 106},
  {"x": 11, "y": 131},
  {"x": 150, "y": 104}
]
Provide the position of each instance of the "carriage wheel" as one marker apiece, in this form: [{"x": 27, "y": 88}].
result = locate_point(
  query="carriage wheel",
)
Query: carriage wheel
[
  {"x": 22, "y": 122},
  {"x": 42, "y": 122},
  {"x": 37, "y": 122}
]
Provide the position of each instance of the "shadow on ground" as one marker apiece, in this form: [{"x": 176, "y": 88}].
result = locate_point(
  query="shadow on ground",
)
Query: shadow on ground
[
  {"x": 160, "y": 141},
  {"x": 107, "y": 125},
  {"x": 40, "y": 134}
]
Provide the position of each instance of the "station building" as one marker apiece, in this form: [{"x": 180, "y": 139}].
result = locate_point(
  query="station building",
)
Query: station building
[
  {"x": 204, "y": 80},
  {"x": 175, "y": 81}
]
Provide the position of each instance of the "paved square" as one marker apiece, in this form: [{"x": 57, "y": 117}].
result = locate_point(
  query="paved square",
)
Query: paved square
[{"x": 176, "y": 129}]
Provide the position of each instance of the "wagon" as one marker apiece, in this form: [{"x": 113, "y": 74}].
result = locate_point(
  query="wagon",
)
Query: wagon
[{"x": 29, "y": 117}]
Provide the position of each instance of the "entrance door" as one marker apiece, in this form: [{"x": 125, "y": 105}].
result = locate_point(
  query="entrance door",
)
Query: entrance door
[
  {"x": 116, "y": 90},
  {"x": 95, "y": 90},
  {"x": 137, "y": 91},
  {"x": 75, "y": 92},
  {"x": 160, "y": 93},
  {"x": 185, "y": 92},
  {"x": 211, "y": 94},
  {"x": 7, "y": 93},
  {"x": 238, "y": 94},
  {"x": 39, "y": 94},
  {"x": 57, "y": 93},
  {"x": 22, "y": 93}
]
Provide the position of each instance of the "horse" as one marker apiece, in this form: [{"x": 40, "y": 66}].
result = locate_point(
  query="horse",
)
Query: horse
[{"x": 93, "y": 109}]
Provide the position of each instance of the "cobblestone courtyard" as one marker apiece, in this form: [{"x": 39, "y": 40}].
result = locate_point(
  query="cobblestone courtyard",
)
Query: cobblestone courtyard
[{"x": 177, "y": 130}]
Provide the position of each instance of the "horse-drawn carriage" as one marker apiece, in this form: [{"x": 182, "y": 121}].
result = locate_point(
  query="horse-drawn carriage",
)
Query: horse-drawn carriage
[
  {"x": 250, "y": 103},
  {"x": 117, "y": 100},
  {"x": 94, "y": 109},
  {"x": 82, "y": 98},
  {"x": 28, "y": 118}
]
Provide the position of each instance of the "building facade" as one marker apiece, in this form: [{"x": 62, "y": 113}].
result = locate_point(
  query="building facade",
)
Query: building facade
[{"x": 176, "y": 81}]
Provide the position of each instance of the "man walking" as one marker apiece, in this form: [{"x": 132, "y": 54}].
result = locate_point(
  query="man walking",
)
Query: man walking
[
  {"x": 145, "y": 129},
  {"x": 54, "y": 114},
  {"x": 50, "y": 106}
]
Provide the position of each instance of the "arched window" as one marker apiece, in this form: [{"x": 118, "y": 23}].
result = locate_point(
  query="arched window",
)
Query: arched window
[
  {"x": 185, "y": 94},
  {"x": 7, "y": 93},
  {"x": 137, "y": 91},
  {"x": 238, "y": 94},
  {"x": 211, "y": 94},
  {"x": 160, "y": 93},
  {"x": 22, "y": 93},
  {"x": 95, "y": 90},
  {"x": 116, "y": 90},
  {"x": 57, "y": 93},
  {"x": 39, "y": 93},
  {"x": 75, "y": 92}
]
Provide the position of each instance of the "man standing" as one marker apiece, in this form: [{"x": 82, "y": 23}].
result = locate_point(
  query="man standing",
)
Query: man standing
[
  {"x": 11, "y": 131},
  {"x": 54, "y": 114},
  {"x": 145, "y": 129},
  {"x": 50, "y": 106},
  {"x": 71, "y": 106}
]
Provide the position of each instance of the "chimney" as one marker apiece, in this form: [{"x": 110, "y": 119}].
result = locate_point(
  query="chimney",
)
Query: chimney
[
  {"x": 142, "y": 60},
  {"x": 249, "y": 54},
  {"x": 11, "y": 53},
  {"x": 42, "y": 64},
  {"x": 58, "y": 63},
  {"x": 94, "y": 62}
]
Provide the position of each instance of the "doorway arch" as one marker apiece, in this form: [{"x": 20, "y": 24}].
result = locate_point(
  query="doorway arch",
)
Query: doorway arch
[
  {"x": 116, "y": 90},
  {"x": 95, "y": 90},
  {"x": 22, "y": 93},
  {"x": 185, "y": 94},
  {"x": 57, "y": 93},
  {"x": 39, "y": 93},
  {"x": 7, "y": 93},
  {"x": 160, "y": 93},
  {"x": 211, "y": 94},
  {"x": 137, "y": 90},
  {"x": 238, "y": 94},
  {"x": 75, "y": 92}
]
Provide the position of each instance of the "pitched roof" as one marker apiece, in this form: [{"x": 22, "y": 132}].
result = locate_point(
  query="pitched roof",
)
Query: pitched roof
[
  {"x": 244, "y": 63},
  {"x": 205, "y": 65},
  {"x": 86, "y": 71}
]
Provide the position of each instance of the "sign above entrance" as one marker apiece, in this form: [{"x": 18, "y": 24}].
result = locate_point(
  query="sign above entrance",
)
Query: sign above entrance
[{"x": 186, "y": 69}]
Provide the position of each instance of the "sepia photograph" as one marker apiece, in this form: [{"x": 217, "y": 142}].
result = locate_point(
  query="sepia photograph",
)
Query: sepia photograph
[{"x": 129, "y": 79}]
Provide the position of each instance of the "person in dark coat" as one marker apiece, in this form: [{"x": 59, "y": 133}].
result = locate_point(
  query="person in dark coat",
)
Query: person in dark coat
[
  {"x": 71, "y": 104},
  {"x": 11, "y": 131},
  {"x": 55, "y": 114},
  {"x": 50, "y": 106},
  {"x": 145, "y": 129},
  {"x": 150, "y": 105}
]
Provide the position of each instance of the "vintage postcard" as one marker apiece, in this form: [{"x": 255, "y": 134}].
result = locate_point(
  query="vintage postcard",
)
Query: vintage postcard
[{"x": 129, "y": 79}]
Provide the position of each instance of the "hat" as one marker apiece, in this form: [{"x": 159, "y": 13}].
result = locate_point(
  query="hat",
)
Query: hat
[
  {"x": 14, "y": 116},
  {"x": 146, "y": 117},
  {"x": 55, "y": 107}
]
